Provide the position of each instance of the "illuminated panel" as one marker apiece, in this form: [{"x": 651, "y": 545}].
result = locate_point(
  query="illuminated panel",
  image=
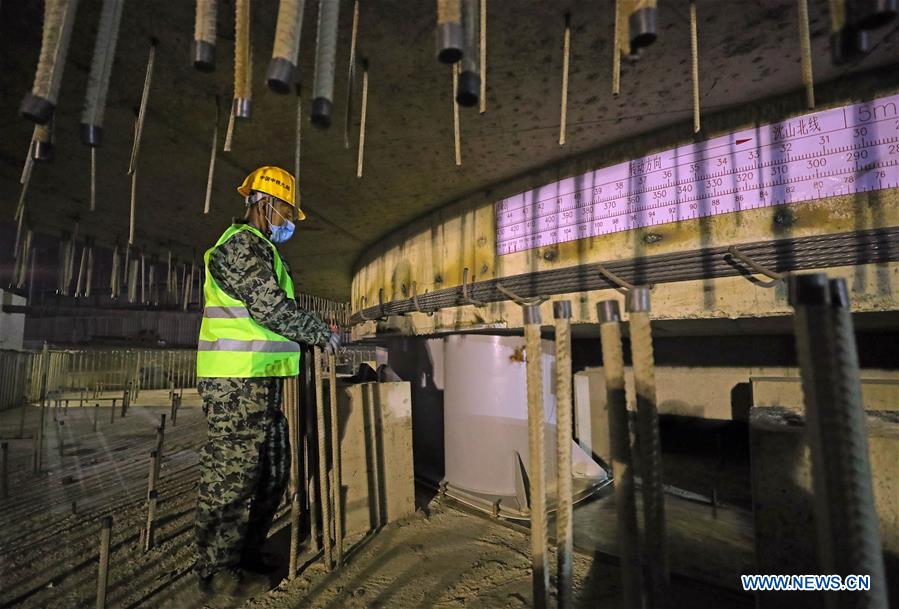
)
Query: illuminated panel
[{"x": 835, "y": 152}]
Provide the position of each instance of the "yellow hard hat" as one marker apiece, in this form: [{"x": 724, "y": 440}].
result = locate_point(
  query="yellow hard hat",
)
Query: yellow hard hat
[{"x": 276, "y": 182}]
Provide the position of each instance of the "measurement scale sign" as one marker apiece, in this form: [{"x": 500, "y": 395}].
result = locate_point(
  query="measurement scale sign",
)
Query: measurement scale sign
[{"x": 835, "y": 152}]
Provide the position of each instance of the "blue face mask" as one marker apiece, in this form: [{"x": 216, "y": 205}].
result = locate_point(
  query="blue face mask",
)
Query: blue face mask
[{"x": 281, "y": 233}]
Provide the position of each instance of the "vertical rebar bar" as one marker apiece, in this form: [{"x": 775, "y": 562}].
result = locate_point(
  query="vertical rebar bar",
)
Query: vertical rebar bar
[
  {"x": 694, "y": 65},
  {"x": 805, "y": 47},
  {"x": 649, "y": 444},
  {"x": 149, "y": 536},
  {"x": 322, "y": 458},
  {"x": 96, "y": 414},
  {"x": 566, "y": 52},
  {"x": 848, "y": 540},
  {"x": 537, "y": 462},
  {"x": 39, "y": 436},
  {"x": 335, "y": 458},
  {"x": 103, "y": 572},
  {"x": 564, "y": 527},
  {"x": 151, "y": 476}
]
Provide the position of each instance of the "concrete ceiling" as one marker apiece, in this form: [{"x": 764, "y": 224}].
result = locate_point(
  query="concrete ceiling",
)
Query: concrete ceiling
[{"x": 749, "y": 50}]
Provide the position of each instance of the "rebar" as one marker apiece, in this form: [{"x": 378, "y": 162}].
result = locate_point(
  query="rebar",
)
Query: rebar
[
  {"x": 243, "y": 73},
  {"x": 325, "y": 493},
  {"x": 537, "y": 460},
  {"x": 649, "y": 444},
  {"x": 450, "y": 37},
  {"x": 351, "y": 76},
  {"x": 566, "y": 51},
  {"x": 203, "y": 51},
  {"x": 151, "y": 476},
  {"x": 150, "y": 532},
  {"x": 805, "y": 48},
  {"x": 98, "y": 80},
  {"x": 846, "y": 521},
  {"x": 282, "y": 70},
  {"x": 483, "y": 58},
  {"x": 694, "y": 65},
  {"x": 335, "y": 458},
  {"x": 59, "y": 19},
  {"x": 818, "y": 251},
  {"x": 142, "y": 112},
  {"x": 39, "y": 435},
  {"x": 215, "y": 139},
  {"x": 564, "y": 526},
  {"x": 325, "y": 56},
  {"x": 616, "y": 51},
  {"x": 103, "y": 572},
  {"x": 362, "y": 119},
  {"x": 642, "y": 23},
  {"x": 457, "y": 134}
]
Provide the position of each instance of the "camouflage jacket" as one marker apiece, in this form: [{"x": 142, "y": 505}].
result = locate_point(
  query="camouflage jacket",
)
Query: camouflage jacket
[{"x": 244, "y": 269}]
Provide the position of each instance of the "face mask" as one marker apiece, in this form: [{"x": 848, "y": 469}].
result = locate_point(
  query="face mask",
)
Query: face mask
[{"x": 281, "y": 233}]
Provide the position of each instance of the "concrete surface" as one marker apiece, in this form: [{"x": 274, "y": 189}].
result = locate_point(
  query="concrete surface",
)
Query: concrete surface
[{"x": 782, "y": 499}]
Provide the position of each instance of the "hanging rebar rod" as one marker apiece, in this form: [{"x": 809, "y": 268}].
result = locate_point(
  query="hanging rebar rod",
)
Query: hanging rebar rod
[
  {"x": 609, "y": 316},
  {"x": 289, "y": 406},
  {"x": 325, "y": 493},
  {"x": 351, "y": 77},
  {"x": 103, "y": 572},
  {"x": 805, "y": 49},
  {"x": 335, "y": 459},
  {"x": 151, "y": 476},
  {"x": 649, "y": 444},
  {"x": 848, "y": 539},
  {"x": 79, "y": 282},
  {"x": 282, "y": 69},
  {"x": 457, "y": 134},
  {"x": 59, "y": 19},
  {"x": 132, "y": 216},
  {"x": 564, "y": 525},
  {"x": 483, "y": 58},
  {"x": 43, "y": 142},
  {"x": 309, "y": 482},
  {"x": 566, "y": 51},
  {"x": 39, "y": 434},
  {"x": 215, "y": 142},
  {"x": 229, "y": 131},
  {"x": 325, "y": 56},
  {"x": 616, "y": 50},
  {"x": 868, "y": 246},
  {"x": 694, "y": 65},
  {"x": 242, "y": 68},
  {"x": 89, "y": 282},
  {"x": 203, "y": 50},
  {"x": 362, "y": 118},
  {"x": 642, "y": 23},
  {"x": 450, "y": 37},
  {"x": 469, "y": 68},
  {"x": 101, "y": 70},
  {"x": 537, "y": 459},
  {"x": 142, "y": 112},
  {"x": 150, "y": 533}
]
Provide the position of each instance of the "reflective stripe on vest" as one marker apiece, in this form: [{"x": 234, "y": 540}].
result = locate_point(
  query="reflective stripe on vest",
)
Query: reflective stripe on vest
[
  {"x": 259, "y": 346},
  {"x": 231, "y": 343},
  {"x": 226, "y": 312}
]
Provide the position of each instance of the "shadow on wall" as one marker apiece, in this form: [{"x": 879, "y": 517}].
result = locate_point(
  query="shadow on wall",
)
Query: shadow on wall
[{"x": 413, "y": 359}]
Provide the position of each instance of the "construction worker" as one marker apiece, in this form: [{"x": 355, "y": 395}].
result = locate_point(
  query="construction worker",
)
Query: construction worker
[{"x": 248, "y": 341}]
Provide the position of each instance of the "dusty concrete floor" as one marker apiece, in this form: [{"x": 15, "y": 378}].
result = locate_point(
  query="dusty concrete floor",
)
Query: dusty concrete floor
[{"x": 441, "y": 557}]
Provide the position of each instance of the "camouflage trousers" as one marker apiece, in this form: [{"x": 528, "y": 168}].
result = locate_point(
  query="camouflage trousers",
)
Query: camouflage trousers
[{"x": 244, "y": 469}]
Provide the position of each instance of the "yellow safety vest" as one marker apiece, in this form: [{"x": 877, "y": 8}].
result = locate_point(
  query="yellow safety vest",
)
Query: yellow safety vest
[{"x": 231, "y": 343}]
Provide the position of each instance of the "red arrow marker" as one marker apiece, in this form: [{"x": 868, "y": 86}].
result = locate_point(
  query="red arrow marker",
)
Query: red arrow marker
[{"x": 738, "y": 142}]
